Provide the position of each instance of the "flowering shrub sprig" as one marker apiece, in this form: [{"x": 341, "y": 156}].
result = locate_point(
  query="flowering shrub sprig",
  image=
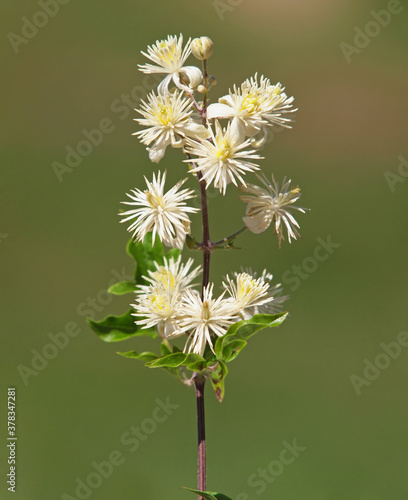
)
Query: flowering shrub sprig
[{"x": 214, "y": 326}]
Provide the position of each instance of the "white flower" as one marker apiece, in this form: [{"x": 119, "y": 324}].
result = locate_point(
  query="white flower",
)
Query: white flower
[
  {"x": 205, "y": 317},
  {"x": 271, "y": 205},
  {"x": 169, "y": 120},
  {"x": 160, "y": 212},
  {"x": 247, "y": 293},
  {"x": 253, "y": 106},
  {"x": 169, "y": 57},
  {"x": 158, "y": 307},
  {"x": 159, "y": 302},
  {"x": 173, "y": 274},
  {"x": 222, "y": 159},
  {"x": 275, "y": 291}
]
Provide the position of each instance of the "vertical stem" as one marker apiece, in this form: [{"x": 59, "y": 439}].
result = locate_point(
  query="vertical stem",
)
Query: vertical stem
[
  {"x": 206, "y": 244},
  {"x": 205, "y": 79},
  {"x": 199, "y": 380},
  {"x": 199, "y": 383}
]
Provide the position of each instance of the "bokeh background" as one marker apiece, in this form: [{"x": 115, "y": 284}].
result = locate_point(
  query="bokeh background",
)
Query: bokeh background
[{"x": 61, "y": 245}]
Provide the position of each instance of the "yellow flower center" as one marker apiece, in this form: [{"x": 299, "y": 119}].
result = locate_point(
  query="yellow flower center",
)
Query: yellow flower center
[
  {"x": 250, "y": 104},
  {"x": 164, "y": 276},
  {"x": 205, "y": 315},
  {"x": 224, "y": 149},
  {"x": 245, "y": 286},
  {"x": 168, "y": 53},
  {"x": 161, "y": 304},
  {"x": 165, "y": 114},
  {"x": 158, "y": 303},
  {"x": 155, "y": 202}
]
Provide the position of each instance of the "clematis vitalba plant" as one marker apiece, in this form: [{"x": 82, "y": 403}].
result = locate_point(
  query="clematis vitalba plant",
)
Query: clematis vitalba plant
[{"x": 199, "y": 328}]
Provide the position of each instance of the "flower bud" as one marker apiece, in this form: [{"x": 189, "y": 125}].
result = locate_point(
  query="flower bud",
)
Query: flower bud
[{"x": 202, "y": 48}]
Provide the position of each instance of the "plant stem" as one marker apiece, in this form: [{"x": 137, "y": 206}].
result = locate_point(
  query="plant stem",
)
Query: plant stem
[
  {"x": 206, "y": 244},
  {"x": 199, "y": 382},
  {"x": 205, "y": 79},
  {"x": 230, "y": 237}
]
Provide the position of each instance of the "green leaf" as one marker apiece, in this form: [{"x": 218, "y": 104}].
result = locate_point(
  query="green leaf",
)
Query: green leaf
[
  {"x": 247, "y": 328},
  {"x": 145, "y": 253},
  {"x": 173, "y": 253},
  {"x": 143, "y": 356},
  {"x": 198, "y": 366},
  {"x": 165, "y": 349},
  {"x": 170, "y": 361},
  {"x": 218, "y": 373},
  {"x": 191, "y": 242},
  {"x": 131, "y": 249},
  {"x": 176, "y": 359},
  {"x": 243, "y": 330},
  {"x": 122, "y": 287},
  {"x": 208, "y": 495},
  {"x": 193, "y": 359},
  {"x": 231, "y": 348},
  {"x": 116, "y": 328},
  {"x": 148, "y": 357}
]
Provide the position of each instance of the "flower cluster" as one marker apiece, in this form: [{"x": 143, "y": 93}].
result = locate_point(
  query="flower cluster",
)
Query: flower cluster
[
  {"x": 220, "y": 142},
  {"x": 171, "y": 303}
]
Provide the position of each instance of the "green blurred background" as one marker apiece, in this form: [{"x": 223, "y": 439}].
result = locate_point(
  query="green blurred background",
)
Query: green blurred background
[{"x": 61, "y": 245}]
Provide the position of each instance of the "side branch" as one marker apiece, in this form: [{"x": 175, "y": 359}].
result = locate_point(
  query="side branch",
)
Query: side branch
[{"x": 228, "y": 239}]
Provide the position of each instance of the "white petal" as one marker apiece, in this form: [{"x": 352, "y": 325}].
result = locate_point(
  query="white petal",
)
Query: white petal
[
  {"x": 156, "y": 154},
  {"x": 193, "y": 74},
  {"x": 178, "y": 141},
  {"x": 218, "y": 110},
  {"x": 251, "y": 130},
  {"x": 196, "y": 131},
  {"x": 181, "y": 86},
  {"x": 226, "y": 100},
  {"x": 258, "y": 223},
  {"x": 163, "y": 87},
  {"x": 238, "y": 130}
]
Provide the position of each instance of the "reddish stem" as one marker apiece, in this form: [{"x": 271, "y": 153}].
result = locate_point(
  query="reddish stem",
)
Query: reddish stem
[{"x": 199, "y": 383}]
